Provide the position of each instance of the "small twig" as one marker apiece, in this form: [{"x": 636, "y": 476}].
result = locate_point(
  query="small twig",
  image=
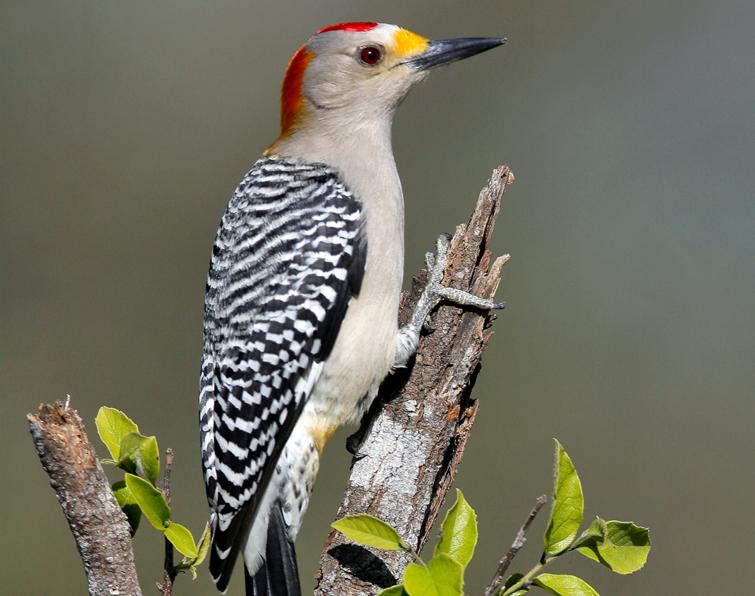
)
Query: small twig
[
  {"x": 521, "y": 538},
  {"x": 166, "y": 473},
  {"x": 169, "y": 568}
]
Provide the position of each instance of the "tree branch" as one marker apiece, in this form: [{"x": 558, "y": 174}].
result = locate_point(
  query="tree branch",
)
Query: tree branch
[
  {"x": 516, "y": 546},
  {"x": 415, "y": 434},
  {"x": 99, "y": 527}
]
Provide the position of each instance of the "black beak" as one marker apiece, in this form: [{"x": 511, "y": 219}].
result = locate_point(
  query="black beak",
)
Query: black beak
[{"x": 445, "y": 51}]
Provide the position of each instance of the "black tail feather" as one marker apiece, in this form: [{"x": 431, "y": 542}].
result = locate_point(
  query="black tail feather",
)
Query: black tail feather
[
  {"x": 221, "y": 568},
  {"x": 256, "y": 585},
  {"x": 279, "y": 574}
]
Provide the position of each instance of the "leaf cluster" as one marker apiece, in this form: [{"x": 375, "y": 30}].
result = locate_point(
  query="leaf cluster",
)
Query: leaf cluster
[
  {"x": 443, "y": 575},
  {"x": 137, "y": 494},
  {"x": 621, "y": 546}
]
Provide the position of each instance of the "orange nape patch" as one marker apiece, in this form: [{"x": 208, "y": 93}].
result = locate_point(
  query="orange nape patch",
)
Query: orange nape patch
[
  {"x": 291, "y": 95},
  {"x": 407, "y": 43}
]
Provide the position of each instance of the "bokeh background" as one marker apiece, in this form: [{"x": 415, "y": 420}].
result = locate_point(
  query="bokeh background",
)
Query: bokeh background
[{"x": 630, "y": 331}]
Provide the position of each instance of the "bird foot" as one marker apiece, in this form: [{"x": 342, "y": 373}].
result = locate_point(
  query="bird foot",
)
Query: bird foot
[
  {"x": 354, "y": 444},
  {"x": 434, "y": 293}
]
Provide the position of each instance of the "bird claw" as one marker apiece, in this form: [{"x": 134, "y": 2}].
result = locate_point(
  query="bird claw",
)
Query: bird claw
[
  {"x": 353, "y": 443},
  {"x": 435, "y": 291},
  {"x": 431, "y": 296}
]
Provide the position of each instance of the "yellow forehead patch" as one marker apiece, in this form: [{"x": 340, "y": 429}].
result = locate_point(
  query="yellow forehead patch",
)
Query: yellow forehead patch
[{"x": 406, "y": 43}]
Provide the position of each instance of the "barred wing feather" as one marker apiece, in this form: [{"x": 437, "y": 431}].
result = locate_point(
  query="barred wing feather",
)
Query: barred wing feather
[{"x": 287, "y": 259}]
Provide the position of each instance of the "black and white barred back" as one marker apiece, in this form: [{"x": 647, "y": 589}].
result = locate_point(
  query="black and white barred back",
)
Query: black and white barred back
[{"x": 288, "y": 257}]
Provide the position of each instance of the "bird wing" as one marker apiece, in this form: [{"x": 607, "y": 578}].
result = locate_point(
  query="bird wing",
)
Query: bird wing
[{"x": 288, "y": 257}]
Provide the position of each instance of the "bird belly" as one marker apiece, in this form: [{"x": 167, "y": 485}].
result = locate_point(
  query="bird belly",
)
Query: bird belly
[{"x": 361, "y": 358}]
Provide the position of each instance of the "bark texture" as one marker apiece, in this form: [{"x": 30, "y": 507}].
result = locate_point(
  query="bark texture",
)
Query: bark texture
[
  {"x": 415, "y": 435},
  {"x": 100, "y": 529}
]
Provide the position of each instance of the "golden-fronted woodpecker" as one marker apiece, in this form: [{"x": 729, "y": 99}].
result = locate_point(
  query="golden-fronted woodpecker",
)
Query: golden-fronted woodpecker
[{"x": 301, "y": 308}]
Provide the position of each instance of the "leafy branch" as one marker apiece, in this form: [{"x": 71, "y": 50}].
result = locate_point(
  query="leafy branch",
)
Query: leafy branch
[
  {"x": 623, "y": 547},
  {"x": 443, "y": 575},
  {"x": 137, "y": 494}
]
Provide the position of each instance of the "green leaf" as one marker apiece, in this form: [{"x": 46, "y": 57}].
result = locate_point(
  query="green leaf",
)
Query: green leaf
[
  {"x": 140, "y": 455},
  {"x": 623, "y": 548},
  {"x": 397, "y": 590},
  {"x": 564, "y": 585},
  {"x": 190, "y": 564},
  {"x": 130, "y": 444},
  {"x": 128, "y": 504},
  {"x": 441, "y": 577},
  {"x": 369, "y": 531},
  {"x": 204, "y": 546},
  {"x": 587, "y": 543},
  {"x": 148, "y": 460},
  {"x": 596, "y": 531},
  {"x": 626, "y": 546},
  {"x": 459, "y": 535},
  {"x": 112, "y": 425},
  {"x": 151, "y": 501},
  {"x": 568, "y": 505},
  {"x": 181, "y": 538},
  {"x": 418, "y": 581},
  {"x": 589, "y": 549}
]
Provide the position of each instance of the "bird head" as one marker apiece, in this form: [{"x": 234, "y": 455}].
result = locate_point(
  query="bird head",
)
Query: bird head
[{"x": 359, "y": 72}]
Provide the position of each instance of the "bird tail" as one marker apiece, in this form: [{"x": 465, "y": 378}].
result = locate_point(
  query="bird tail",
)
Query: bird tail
[
  {"x": 279, "y": 574},
  {"x": 224, "y": 548}
]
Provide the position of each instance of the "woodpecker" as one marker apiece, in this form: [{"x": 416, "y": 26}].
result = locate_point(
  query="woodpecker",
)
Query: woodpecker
[{"x": 302, "y": 297}]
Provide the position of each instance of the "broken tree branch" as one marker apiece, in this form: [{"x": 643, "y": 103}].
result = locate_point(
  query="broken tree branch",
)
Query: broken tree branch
[
  {"x": 99, "y": 527},
  {"x": 415, "y": 434}
]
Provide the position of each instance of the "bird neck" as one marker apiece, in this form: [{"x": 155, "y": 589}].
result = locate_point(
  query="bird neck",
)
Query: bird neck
[{"x": 360, "y": 150}]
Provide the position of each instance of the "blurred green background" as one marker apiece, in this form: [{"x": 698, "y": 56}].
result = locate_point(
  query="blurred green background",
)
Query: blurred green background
[{"x": 629, "y": 334}]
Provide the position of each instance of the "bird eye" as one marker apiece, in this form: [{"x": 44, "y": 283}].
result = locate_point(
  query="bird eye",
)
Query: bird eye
[{"x": 370, "y": 55}]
